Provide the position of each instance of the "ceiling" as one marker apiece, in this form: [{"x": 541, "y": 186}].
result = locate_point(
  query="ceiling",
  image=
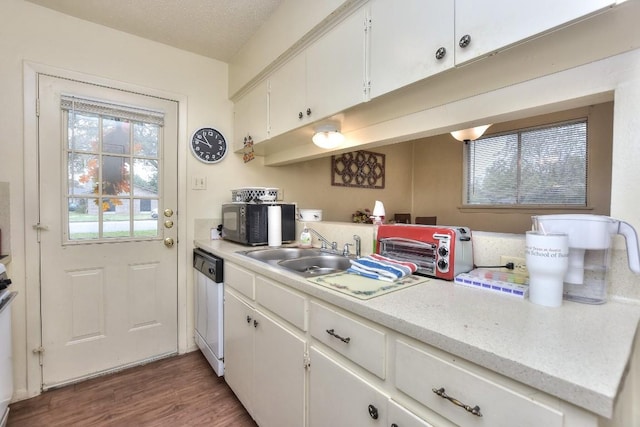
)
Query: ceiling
[{"x": 212, "y": 28}]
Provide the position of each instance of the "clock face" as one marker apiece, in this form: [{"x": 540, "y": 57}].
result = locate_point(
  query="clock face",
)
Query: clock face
[{"x": 208, "y": 145}]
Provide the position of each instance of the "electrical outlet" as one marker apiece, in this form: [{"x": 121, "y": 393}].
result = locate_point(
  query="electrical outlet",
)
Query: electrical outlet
[
  {"x": 519, "y": 264},
  {"x": 280, "y": 195}
]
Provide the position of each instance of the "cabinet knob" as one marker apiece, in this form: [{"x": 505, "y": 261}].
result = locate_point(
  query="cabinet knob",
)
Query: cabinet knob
[
  {"x": 394, "y": 425},
  {"x": 308, "y": 111},
  {"x": 248, "y": 319},
  {"x": 465, "y": 41},
  {"x": 300, "y": 115},
  {"x": 255, "y": 323},
  {"x": 373, "y": 412},
  {"x": 440, "y": 53}
]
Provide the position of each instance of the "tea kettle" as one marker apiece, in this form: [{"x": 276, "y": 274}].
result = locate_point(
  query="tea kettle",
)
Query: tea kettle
[{"x": 589, "y": 251}]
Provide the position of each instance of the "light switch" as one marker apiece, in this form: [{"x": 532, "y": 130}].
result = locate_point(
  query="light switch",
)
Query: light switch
[{"x": 199, "y": 183}]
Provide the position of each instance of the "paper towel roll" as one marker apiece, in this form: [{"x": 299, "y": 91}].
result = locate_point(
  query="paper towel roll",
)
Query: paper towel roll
[{"x": 274, "y": 228}]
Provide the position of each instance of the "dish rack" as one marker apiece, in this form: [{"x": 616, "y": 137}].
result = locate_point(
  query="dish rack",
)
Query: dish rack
[{"x": 249, "y": 194}]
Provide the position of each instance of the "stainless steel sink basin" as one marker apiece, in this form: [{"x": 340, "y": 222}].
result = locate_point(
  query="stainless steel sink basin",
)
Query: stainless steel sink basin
[
  {"x": 317, "y": 265},
  {"x": 305, "y": 262},
  {"x": 278, "y": 254}
]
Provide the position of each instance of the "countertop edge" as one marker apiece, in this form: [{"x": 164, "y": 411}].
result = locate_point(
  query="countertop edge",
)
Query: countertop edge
[{"x": 599, "y": 401}]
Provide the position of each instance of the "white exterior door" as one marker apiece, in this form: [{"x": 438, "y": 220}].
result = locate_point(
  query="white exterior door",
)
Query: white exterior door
[{"x": 108, "y": 195}]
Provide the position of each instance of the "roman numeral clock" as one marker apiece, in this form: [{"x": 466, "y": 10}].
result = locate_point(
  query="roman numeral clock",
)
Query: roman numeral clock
[{"x": 208, "y": 145}]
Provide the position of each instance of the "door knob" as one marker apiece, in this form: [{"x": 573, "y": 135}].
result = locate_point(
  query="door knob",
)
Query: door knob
[
  {"x": 168, "y": 242},
  {"x": 168, "y": 212},
  {"x": 168, "y": 224}
]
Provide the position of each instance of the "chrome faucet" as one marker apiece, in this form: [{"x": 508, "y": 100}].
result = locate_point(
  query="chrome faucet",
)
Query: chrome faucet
[
  {"x": 323, "y": 240},
  {"x": 358, "y": 245}
]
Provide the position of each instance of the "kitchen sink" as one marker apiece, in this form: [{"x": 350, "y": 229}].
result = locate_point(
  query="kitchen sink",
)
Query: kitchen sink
[
  {"x": 317, "y": 265},
  {"x": 305, "y": 262},
  {"x": 279, "y": 254}
]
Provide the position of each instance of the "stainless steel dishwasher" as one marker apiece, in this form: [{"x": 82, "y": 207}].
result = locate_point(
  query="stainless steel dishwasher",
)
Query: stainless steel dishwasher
[{"x": 209, "y": 305}]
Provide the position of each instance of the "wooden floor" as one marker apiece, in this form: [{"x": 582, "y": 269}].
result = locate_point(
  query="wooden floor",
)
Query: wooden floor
[{"x": 179, "y": 391}]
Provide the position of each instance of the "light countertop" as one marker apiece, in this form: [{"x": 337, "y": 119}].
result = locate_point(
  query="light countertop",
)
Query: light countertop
[{"x": 577, "y": 352}]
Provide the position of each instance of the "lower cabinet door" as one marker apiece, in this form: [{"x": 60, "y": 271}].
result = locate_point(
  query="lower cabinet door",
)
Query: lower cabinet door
[
  {"x": 279, "y": 381},
  {"x": 238, "y": 347},
  {"x": 399, "y": 416},
  {"x": 340, "y": 398}
]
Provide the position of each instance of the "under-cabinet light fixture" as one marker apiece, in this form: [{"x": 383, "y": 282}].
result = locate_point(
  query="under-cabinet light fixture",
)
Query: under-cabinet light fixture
[
  {"x": 327, "y": 136},
  {"x": 471, "y": 134}
]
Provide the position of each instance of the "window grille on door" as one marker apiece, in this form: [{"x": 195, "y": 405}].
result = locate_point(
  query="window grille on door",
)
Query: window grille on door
[{"x": 113, "y": 160}]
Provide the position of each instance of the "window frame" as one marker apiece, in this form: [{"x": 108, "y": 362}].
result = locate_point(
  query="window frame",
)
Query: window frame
[{"x": 515, "y": 207}]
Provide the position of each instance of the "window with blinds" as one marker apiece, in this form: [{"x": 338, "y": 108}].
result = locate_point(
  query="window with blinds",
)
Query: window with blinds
[
  {"x": 112, "y": 155},
  {"x": 536, "y": 166}
]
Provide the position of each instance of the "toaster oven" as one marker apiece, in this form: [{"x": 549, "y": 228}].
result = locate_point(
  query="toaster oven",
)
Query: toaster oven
[{"x": 442, "y": 252}]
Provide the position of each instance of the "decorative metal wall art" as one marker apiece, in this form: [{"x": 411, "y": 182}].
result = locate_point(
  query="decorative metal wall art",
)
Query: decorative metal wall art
[{"x": 363, "y": 169}]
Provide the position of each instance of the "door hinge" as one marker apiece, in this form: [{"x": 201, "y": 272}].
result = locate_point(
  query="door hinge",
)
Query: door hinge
[
  {"x": 40, "y": 352},
  {"x": 367, "y": 23},
  {"x": 306, "y": 362},
  {"x": 366, "y": 88}
]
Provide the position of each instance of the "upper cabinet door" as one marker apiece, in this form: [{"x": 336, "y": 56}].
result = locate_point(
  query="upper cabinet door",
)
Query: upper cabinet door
[
  {"x": 410, "y": 40},
  {"x": 250, "y": 117},
  {"x": 288, "y": 96},
  {"x": 336, "y": 67},
  {"x": 494, "y": 24}
]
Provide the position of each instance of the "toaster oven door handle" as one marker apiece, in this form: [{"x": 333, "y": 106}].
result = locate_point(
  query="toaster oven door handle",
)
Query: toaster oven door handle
[{"x": 408, "y": 242}]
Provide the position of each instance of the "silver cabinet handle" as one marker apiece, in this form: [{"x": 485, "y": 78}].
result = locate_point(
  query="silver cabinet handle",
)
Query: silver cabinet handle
[
  {"x": 332, "y": 332},
  {"x": 473, "y": 410},
  {"x": 440, "y": 53}
]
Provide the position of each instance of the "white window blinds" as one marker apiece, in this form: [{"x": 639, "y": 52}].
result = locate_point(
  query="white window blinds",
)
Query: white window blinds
[
  {"x": 106, "y": 109},
  {"x": 539, "y": 166}
]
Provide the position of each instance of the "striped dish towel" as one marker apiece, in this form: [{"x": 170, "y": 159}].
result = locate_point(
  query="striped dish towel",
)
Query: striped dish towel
[{"x": 381, "y": 268}]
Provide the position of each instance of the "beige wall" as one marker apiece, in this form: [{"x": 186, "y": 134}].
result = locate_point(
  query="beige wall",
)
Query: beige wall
[{"x": 438, "y": 174}]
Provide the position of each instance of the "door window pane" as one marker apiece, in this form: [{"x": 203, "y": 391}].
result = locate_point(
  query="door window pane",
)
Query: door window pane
[
  {"x": 145, "y": 177},
  {"x": 146, "y": 137},
  {"x": 83, "y": 173},
  {"x": 109, "y": 160},
  {"x": 83, "y": 132}
]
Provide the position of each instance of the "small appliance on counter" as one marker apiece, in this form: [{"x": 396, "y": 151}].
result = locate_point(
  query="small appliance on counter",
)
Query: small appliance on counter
[
  {"x": 589, "y": 252},
  {"x": 442, "y": 252},
  {"x": 248, "y": 223}
]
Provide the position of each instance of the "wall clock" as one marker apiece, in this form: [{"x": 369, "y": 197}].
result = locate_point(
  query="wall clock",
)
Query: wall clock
[{"x": 208, "y": 145}]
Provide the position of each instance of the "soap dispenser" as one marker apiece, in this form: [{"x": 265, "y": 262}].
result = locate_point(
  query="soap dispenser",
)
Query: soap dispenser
[{"x": 305, "y": 237}]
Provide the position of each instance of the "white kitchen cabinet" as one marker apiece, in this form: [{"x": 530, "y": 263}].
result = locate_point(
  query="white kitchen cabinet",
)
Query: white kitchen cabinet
[
  {"x": 362, "y": 343},
  {"x": 409, "y": 40},
  {"x": 340, "y": 398},
  {"x": 264, "y": 359},
  {"x": 239, "y": 347},
  {"x": 399, "y": 416},
  {"x": 430, "y": 378},
  {"x": 495, "y": 24},
  {"x": 264, "y": 365},
  {"x": 325, "y": 78},
  {"x": 251, "y": 117},
  {"x": 279, "y": 375}
]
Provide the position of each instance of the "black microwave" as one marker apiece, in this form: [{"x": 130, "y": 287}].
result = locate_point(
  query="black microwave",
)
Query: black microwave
[{"x": 246, "y": 223}]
